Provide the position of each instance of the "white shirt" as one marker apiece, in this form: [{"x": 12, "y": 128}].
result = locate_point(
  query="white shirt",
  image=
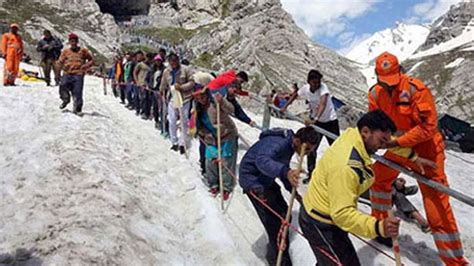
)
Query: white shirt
[{"x": 314, "y": 99}]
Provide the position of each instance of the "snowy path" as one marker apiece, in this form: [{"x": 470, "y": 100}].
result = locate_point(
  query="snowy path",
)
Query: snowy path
[{"x": 106, "y": 189}]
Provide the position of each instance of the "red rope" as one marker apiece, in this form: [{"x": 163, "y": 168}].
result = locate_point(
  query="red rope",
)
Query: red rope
[{"x": 292, "y": 227}]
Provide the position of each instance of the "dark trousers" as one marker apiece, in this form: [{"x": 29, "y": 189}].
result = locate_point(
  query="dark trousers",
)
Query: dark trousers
[
  {"x": 136, "y": 98},
  {"x": 115, "y": 88},
  {"x": 202, "y": 156},
  {"x": 145, "y": 101},
  {"x": 47, "y": 65},
  {"x": 271, "y": 223},
  {"x": 331, "y": 126},
  {"x": 155, "y": 106},
  {"x": 122, "y": 93},
  {"x": 72, "y": 84},
  {"x": 129, "y": 93},
  {"x": 333, "y": 235}
]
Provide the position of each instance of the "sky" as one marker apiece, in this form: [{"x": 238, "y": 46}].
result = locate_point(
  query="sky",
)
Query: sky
[{"x": 342, "y": 24}]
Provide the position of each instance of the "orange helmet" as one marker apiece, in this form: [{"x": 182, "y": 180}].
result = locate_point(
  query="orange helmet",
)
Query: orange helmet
[{"x": 387, "y": 69}]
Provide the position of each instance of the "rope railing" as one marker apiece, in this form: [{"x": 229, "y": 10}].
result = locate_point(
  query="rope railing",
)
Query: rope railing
[{"x": 433, "y": 184}]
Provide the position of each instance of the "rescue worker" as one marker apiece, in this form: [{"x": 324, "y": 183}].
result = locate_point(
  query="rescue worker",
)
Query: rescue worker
[
  {"x": 329, "y": 209},
  {"x": 12, "y": 50},
  {"x": 410, "y": 104},
  {"x": 74, "y": 61}
]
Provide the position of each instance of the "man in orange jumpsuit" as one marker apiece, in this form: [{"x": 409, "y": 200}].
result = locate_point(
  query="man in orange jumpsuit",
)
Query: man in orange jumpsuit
[
  {"x": 409, "y": 103},
  {"x": 12, "y": 50}
]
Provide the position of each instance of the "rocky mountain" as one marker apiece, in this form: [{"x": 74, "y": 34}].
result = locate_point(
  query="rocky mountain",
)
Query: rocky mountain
[
  {"x": 97, "y": 31},
  {"x": 446, "y": 59},
  {"x": 259, "y": 37},
  {"x": 402, "y": 41}
]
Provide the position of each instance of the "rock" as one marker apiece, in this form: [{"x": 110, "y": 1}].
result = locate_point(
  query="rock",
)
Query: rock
[{"x": 450, "y": 25}]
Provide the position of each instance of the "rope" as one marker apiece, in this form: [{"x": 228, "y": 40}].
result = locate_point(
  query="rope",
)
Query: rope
[
  {"x": 284, "y": 223},
  {"x": 295, "y": 229}
]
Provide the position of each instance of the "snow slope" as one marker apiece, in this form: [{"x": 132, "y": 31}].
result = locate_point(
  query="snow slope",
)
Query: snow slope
[
  {"x": 401, "y": 41},
  {"x": 106, "y": 189}
]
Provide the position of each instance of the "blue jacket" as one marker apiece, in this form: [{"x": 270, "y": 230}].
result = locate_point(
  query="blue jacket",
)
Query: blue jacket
[{"x": 267, "y": 159}]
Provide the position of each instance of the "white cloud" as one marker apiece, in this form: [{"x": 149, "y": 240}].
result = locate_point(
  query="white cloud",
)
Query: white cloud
[
  {"x": 348, "y": 40},
  {"x": 326, "y": 17},
  {"x": 428, "y": 10}
]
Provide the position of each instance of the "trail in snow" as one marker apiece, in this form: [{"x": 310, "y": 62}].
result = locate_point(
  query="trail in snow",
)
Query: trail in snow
[{"x": 105, "y": 188}]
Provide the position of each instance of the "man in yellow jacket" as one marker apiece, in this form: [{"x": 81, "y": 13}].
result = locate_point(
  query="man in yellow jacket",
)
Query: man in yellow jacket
[{"x": 344, "y": 172}]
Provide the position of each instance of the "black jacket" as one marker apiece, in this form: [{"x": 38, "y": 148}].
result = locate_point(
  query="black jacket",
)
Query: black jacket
[{"x": 53, "y": 51}]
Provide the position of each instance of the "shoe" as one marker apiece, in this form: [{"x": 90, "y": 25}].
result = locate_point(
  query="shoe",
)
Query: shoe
[
  {"x": 384, "y": 241},
  {"x": 137, "y": 113},
  {"x": 175, "y": 147},
  {"x": 122, "y": 102},
  {"x": 182, "y": 150},
  {"x": 214, "y": 191},
  {"x": 63, "y": 105},
  {"x": 306, "y": 180},
  {"x": 144, "y": 117},
  {"x": 78, "y": 113},
  {"x": 226, "y": 195}
]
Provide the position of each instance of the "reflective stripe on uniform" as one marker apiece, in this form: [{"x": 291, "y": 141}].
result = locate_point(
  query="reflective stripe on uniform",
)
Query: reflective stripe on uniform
[
  {"x": 380, "y": 195},
  {"x": 373, "y": 92},
  {"x": 381, "y": 207},
  {"x": 451, "y": 253},
  {"x": 446, "y": 237}
]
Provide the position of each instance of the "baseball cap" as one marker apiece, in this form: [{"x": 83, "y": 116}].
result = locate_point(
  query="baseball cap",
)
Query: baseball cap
[{"x": 387, "y": 69}]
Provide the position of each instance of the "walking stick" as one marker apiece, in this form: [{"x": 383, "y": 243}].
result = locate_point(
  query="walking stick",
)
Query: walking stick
[
  {"x": 396, "y": 246},
  {"x": 290, "y": 208},
  {"x": 104, "y": 83},
  {"x": 219, "y": 154}
]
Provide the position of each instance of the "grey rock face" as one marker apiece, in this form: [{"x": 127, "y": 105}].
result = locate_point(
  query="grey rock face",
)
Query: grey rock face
[
  {"x": 450, "y": 25},
  {"x": 262, "y": 39}
]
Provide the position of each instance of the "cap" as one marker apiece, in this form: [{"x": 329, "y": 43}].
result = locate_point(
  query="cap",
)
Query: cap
[
  {"x": 158, "y": 58},
  {"x": 73, "y": 36},
  {"x": 198, "y": 90},
  {"x": 14, "y": 25},
  {"x": 387, "y": 69}
]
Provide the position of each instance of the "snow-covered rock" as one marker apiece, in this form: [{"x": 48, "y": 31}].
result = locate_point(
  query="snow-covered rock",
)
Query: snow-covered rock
[{"x": 401, "y": 41}]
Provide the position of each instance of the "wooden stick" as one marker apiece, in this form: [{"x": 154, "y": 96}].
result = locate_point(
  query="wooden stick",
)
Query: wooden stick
[
  {"x": 219, "y": 155},
  {"x": 396, "y": 246},
  {"x": 290, "y": 208}
]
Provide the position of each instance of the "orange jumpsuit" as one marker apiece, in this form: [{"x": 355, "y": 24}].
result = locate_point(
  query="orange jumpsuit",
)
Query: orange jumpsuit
[
  {"x": 411, "y": 106},
  {"x": 12, "y": 49}
]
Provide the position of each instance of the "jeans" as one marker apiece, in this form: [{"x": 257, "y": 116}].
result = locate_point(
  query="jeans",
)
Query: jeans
[
  {"x": 331, "y": 126},
  {"x": 72, "y": 84}
]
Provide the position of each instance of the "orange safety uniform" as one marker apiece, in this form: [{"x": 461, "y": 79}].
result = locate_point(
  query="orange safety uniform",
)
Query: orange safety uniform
[
  {"x": 411, "y": 106},
  {"x": 12, "y": 49}
]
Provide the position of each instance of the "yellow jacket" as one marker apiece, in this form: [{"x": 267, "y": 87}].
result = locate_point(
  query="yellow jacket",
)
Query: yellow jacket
[{"x": 342, "y": 175}]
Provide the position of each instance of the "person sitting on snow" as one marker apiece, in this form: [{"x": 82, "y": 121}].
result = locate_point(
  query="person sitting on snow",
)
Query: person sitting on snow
[{"x": 399, "y": 198}]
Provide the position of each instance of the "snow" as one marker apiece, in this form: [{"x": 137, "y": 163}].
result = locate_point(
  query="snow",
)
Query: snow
[
  {"x": 106, "y": 189},
  {"x": 415, "y": 66},
  {"x": 401, "y": 41},
  {"x": 464, "y": 41},
  {"x": 455, "y": 63}
]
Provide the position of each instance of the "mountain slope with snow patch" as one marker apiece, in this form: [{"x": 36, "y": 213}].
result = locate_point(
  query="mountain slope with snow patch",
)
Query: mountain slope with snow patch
[{"x": 401, "y": 41}]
